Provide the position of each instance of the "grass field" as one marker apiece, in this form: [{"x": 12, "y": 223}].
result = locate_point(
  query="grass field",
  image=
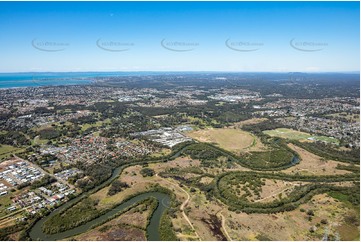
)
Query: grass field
[
  {"x": 7, "y": 150},
  {"x": 229, "y": 139},
  {"x": 96, "y": 124},
  {"x": 5, "y": 201},
  {"x": 196, "y": 120},
  {"x": 353, "y": 117},
  {"x": 38, "y": 141},
  {"x": 250, "y": 122},
  {"x": 298, "y": 135},
  {"x": 161, "y": 153}
]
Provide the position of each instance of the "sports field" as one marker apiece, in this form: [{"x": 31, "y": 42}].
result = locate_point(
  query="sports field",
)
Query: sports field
[{"x": 298, "y": 135}]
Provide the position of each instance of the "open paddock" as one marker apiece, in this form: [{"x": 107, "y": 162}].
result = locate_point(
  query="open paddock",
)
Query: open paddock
[
  {"x": 312, "y": 164},
  {"x": 234, "y": 140}
]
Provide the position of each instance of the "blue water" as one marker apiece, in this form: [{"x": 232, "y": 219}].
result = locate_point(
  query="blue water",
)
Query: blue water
[{"x": 36, "y": 79}]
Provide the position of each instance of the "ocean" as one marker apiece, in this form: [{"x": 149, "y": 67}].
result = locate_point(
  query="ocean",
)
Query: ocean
[{"x": 36, "y": 79}]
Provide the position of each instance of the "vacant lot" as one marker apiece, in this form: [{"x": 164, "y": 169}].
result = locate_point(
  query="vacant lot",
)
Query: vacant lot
[
  {"x": 312, "y": 164},
  {"x": 179, "y": 162},
  {"x": 298, "y": 135},
  {"x": 234, "y": 140}
]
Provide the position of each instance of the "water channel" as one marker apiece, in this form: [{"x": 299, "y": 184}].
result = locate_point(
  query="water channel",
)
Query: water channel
[{"x": 36, "y": 232}]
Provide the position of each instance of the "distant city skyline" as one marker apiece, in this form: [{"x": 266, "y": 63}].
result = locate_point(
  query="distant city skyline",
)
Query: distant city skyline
[{"x": 180, "y": 36}]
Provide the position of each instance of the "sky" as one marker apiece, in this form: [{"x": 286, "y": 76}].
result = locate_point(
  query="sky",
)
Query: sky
[{"x": 180, "y": 36}]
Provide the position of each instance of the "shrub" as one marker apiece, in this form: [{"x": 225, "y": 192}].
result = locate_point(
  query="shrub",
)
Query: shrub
[
  {"x": 117, "y": 186},
  {"x": 147, "y": 172}
]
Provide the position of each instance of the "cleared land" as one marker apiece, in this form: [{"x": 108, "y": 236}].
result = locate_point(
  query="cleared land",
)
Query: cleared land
[
  {"x": 249, "y": 122},
  {"x": 312, "y": 164},
  {"x": 298, "y": 135},
  {"x": 234, "y": 140}
]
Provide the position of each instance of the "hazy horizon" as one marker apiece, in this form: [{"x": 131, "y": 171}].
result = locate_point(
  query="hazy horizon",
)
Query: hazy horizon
[{"x": 185, "y": 71}]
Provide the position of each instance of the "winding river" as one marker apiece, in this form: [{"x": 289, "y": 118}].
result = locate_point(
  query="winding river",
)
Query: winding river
[{"x": 36, "y": 232}]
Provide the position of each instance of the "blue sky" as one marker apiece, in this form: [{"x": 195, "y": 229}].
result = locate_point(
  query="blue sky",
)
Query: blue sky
[{"x": 127, "y": 36}]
